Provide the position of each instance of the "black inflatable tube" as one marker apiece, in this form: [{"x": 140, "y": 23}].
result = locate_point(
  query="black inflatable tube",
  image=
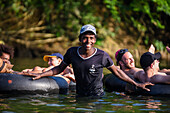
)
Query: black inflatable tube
[
  {"x": 113, "y": 83},
  {"x": 20, "y": 84}
]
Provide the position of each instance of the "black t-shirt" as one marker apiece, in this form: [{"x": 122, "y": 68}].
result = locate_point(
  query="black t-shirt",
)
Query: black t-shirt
[{"x": 88, "y": 71}]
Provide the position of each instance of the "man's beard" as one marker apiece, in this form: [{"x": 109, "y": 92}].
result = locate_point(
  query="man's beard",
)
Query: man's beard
[{"x": 126, "y": 66}]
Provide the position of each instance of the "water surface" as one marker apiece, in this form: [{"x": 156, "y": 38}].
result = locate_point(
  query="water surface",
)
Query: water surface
[{"x": 57, "y": 103}]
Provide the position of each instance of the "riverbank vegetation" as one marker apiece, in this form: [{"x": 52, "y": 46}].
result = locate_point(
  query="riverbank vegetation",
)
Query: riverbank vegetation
[{"x": 38, "y": 27}]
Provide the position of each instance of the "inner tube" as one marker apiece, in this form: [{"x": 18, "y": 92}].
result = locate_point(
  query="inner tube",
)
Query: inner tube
[
  {"x": 21, "y": 84},
  {"x": 113, "y": 83},
  {"x": 72, "y": 86},
  {"x": 62, "y": 83}
]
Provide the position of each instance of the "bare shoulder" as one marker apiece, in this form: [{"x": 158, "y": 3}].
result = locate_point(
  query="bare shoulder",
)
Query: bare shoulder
[
  {"x": 141, "y": 76},
  {"x": 133, "y": 71},
  {"x": 138, "y": 69},
  {"x": 138, "y": 73}
]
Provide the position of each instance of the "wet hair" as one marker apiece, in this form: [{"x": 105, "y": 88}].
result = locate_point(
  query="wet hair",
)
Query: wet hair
[{"x": 6, "y": 49}]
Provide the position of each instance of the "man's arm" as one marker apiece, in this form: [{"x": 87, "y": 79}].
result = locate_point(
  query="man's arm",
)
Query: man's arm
[
  {"x": 119, "y": 73},
  {"x": 159, "y": 78},
  {"x": 167, "y": 71},
  {"x": 54, "y": 71}
]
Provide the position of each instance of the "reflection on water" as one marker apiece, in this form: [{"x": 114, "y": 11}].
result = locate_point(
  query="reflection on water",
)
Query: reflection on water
[{"x": 110, "y": 103}]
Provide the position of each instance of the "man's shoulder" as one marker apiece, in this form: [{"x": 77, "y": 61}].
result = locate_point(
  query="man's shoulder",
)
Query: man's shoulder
[
  {"x": 137, "y": 69},
  {"x": 72, "y": 49},
  {"x": 99, "y": 51},
  {"x": 134, "y": 70},
  {"x": 138, "y": 73}
]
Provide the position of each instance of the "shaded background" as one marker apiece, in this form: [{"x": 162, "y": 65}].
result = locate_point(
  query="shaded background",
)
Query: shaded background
[{"x": 38, "y": 27}]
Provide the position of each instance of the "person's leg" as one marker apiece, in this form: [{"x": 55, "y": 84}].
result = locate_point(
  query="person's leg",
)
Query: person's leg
[{"x": 36, "y": 69}]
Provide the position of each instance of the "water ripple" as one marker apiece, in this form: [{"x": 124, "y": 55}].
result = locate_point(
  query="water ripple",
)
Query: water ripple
[{"x": 57, "y": 105}]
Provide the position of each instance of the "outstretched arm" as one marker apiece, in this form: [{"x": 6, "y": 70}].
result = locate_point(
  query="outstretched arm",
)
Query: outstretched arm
[
  {"x": 159, "y": 78},
  {"x": 54, "y": 71},
  {"x": 167, "y": 71},
  {"x": 119, "y": 73}
]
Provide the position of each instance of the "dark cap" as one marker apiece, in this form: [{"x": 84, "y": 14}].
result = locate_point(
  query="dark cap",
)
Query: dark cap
[
  {"x": 119, "y": 54},
  {"x": 148, "y": 58}
]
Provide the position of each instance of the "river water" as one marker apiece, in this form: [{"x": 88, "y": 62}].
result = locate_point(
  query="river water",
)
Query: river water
[{"x": 111, "y": 103}]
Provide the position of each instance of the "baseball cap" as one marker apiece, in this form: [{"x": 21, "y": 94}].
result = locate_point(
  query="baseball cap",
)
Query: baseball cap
[
  {"x": 148, "y": 58},
  {"x": 86, "y": 28},
  {"x": 4, "y": 66},
  {"x": 119, "y": 54},
  {"x": 58, "y": 55}
]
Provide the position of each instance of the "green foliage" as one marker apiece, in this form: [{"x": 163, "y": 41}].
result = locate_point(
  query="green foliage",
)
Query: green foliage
[
  {"x": 159, "y": 45},
  {"x": 65, "y": 18},
  {"x": 138, "y": 25},
  {"x": 144, "y": 15},
  {"x": 112, "y": 6},
  {"x": 99, "y": 41},
  {"x": 146, "y": 41},
  {"x": 163, "y": 5}
]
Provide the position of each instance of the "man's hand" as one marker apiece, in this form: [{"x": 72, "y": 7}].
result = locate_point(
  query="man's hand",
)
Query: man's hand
[
  {"x": 29, "y": 74},
  {"x": 143, "y": 85},
  {"x": 37, "y": 75},
  {"x": 168, "y": 49},
  {"x": 152, "y": 49}
]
